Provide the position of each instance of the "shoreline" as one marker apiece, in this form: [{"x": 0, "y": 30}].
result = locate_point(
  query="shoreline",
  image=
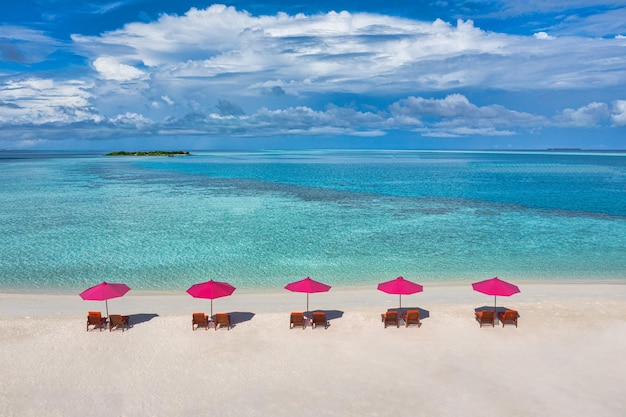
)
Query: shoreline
[
  {"x": 426, "y": 284},
  {"x": 281, "y": 300}
]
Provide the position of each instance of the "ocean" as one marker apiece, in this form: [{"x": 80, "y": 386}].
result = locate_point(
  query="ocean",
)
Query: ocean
[{"x": 264, "y": 219}]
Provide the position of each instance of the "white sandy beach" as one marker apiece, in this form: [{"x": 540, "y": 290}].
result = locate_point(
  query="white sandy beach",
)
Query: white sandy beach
[{"x": 566, "y": 358}]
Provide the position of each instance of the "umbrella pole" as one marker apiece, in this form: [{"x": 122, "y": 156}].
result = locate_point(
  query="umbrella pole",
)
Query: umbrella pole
[
  {"x": 106, "y": 303},
  {"x": 211, "y": 307},
  {"x": 400, "y": 312},
  {"x": 307, "y": 302}
]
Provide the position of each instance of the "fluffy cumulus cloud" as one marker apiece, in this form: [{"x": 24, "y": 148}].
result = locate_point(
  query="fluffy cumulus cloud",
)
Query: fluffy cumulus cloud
[
  {"x": 110, "y": 68},
  {"x": 221, "y": 70},
  {"x": 455, "y": 115},
  {"x": 618, "y": 117},
  {"x": 543, "y": 36},
  {"x": 591, "y": 115}
]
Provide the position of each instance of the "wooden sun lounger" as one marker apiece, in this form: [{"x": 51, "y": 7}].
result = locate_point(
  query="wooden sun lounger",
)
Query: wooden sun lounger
[
  {"x": 486, "y": 317},
  {"x": 117, "y": 321},
  {"x": 297, "y": 319},
  {"x": 412, "y": 317},
  {"x": 95, "y": 319},
  {"x": 199, "y": 320},
  {"x": 508, "y": 316},
  {"x": 390, "y": 318},
  {"x": 222, "y": 319},
  {"x": 319, "y": 318}
]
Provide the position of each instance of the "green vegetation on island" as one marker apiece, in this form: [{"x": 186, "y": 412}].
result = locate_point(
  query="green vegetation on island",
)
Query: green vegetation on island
[{"x": 148, "y": 153}]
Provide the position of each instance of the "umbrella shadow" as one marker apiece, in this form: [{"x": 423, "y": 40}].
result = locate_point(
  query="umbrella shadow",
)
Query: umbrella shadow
[
  {"x": 332, "y": 314},
  {"x": 140, "y": 318},
  {"x": 424, "y": 314},
  {"x": 498, "y": 309},
  {"x": 237, "y": 317}
]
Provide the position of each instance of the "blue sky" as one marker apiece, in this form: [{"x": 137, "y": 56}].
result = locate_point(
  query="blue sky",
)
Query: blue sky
[{"x": 136, "y": 74}]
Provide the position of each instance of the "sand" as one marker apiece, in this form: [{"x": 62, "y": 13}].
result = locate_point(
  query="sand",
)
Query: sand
[{"x": 566, "y": 358}]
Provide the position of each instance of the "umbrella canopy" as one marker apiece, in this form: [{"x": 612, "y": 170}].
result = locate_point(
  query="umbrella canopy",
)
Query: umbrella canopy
[
  {"x": 400, "y": 286},
  {"x": 495, "y": 286},
  {"x": 104, "y": 292},
  {"x": 308, "y": 286},
  {"x": 211, "y": 290}
]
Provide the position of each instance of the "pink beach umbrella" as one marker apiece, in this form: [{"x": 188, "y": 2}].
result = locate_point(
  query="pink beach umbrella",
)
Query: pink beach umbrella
[
  {"x": 308, "y": 286},
  {"x": 211, "y": 290},
  {"x": 105, "y": 291},
  {"x": 400, "y": 286},
  {"x": 495, "y": 286}
]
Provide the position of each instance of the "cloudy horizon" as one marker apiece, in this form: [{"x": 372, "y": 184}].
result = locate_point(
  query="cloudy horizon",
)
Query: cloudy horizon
[{"x": 202, "y": 75}]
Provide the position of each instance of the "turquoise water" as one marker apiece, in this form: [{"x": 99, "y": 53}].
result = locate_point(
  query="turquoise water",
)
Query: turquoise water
[{"x": 261, "y": 220}]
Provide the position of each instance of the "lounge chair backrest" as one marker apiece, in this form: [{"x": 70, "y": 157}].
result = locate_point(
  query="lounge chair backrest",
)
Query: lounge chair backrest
[
  {"x": 319, "y": 317},
  {"x": 413, "y": 315},
  {"x": 297, "y": 318},
  {"x": 391, "y": 316},
  {"x": 487, "y": 315},
  {"x": 199, "y": 318},
  {"x": 117, "y": 321},
  {"x": 222, "y": 319},
  {"x": 94, "y": 317},
  {"x": 510, "y": 315}
]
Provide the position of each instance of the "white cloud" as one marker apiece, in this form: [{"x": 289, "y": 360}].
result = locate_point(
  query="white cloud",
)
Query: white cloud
[
  {"x": 37, "y": 101},
  {"x": 110, "y": 68},
  {"x": 343, "y": 51},
  {"x": 230, "y": 52},
  {"x": 131, "y": 120},
  {"x": 223, "y": 71},
  {"x": 543, "y": 36},
  {"x": 591, "y": 115},
  {"x": 455, "y": 115},
  {"x": 618, "y": 116}
]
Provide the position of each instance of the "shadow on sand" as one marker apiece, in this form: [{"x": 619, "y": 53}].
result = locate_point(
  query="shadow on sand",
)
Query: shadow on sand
[
  {"x": 237, "y": 317},
  {"x": 140, "y": 318}
]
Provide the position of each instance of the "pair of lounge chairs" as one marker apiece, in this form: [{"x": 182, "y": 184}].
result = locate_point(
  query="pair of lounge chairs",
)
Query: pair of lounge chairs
[
  {"x": 297, "y": 319},
  {"x": 117, "y": 321},
  {"x": 202, "y": 320},
  {"x": 391, "y": 318},
  {"x": 489, "y": 317}
]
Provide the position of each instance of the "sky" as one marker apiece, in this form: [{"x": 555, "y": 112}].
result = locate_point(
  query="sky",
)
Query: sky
[{"x": 270, "y": 74}]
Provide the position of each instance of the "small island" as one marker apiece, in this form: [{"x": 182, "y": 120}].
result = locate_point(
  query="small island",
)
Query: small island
[{"x": 148, "y": 153}]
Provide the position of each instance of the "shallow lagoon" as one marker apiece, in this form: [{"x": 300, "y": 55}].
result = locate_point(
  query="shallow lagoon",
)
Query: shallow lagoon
[{"x": 262, "y": 219}]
